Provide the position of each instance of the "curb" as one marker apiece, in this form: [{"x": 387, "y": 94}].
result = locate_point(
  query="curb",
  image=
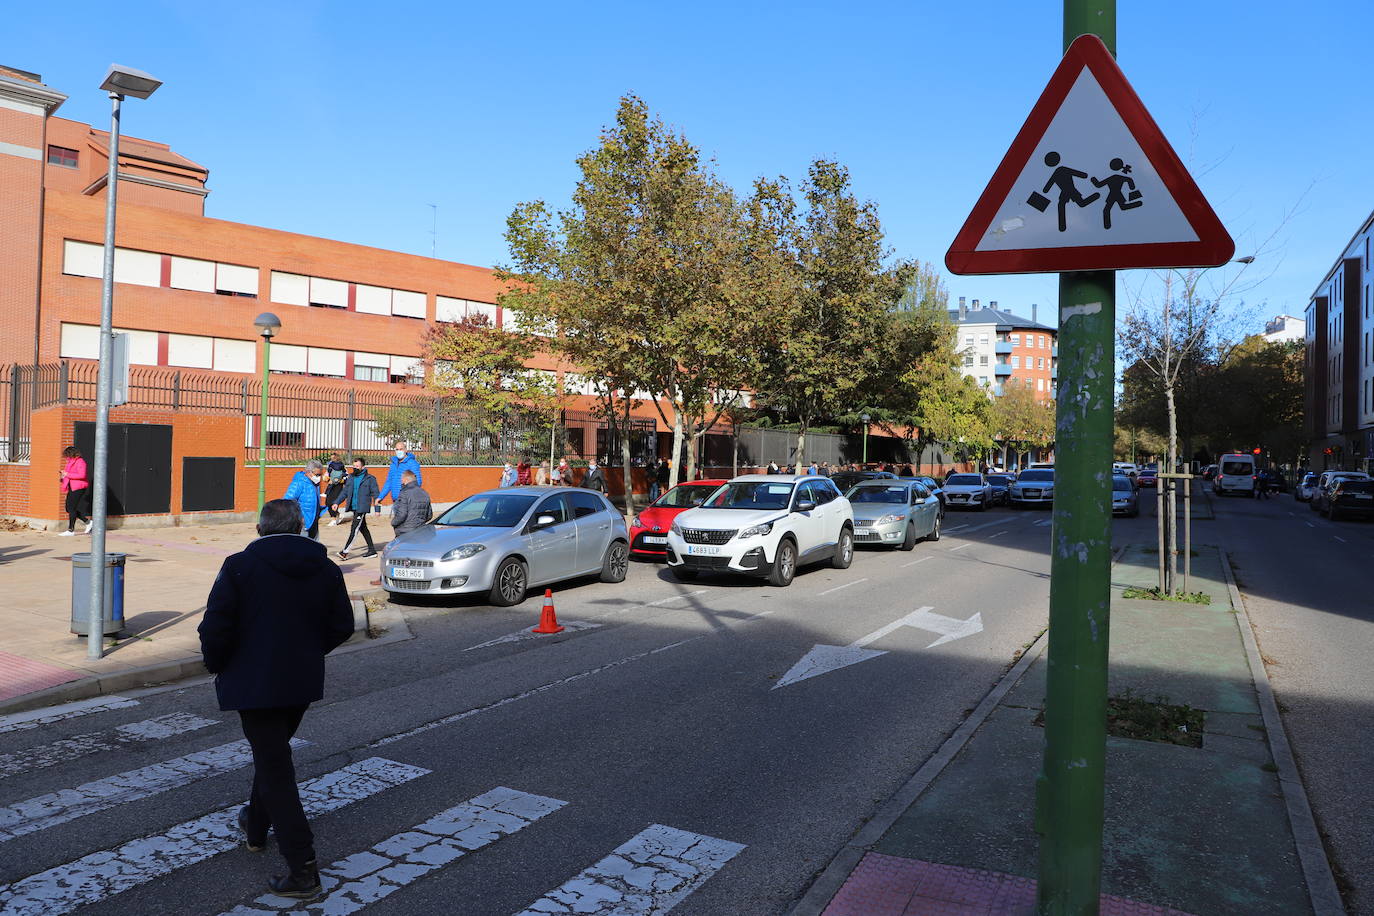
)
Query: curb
[{"x": 1316, "y": 869}]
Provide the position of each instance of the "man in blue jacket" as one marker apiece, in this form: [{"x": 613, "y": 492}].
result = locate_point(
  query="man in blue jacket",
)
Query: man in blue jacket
[
  {"x": 304, "y": 491},
  {"x": 402, "y": 461},
  {"x": 276, "y": 609}
]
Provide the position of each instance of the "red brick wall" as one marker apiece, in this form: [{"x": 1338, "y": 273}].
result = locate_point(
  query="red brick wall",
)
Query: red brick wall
[{"x": 20, "y": 196}]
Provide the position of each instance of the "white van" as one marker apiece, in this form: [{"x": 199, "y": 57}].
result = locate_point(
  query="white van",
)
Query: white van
[{"x": 1235, "y": 474}]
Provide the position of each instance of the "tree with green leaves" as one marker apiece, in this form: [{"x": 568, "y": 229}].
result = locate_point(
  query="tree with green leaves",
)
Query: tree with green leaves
[{"x": 1021, "y": 419}]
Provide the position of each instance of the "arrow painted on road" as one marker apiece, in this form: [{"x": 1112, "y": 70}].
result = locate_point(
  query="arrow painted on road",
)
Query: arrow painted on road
[{"x": 823, "y": 659}]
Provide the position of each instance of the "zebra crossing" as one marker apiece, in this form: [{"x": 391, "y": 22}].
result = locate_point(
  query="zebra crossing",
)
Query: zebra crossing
[{"x": 648, "y": 873}]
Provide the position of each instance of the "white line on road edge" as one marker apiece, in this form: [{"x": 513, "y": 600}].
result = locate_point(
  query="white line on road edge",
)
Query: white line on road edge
[
  {"x": 528, "y": 633},
  {"x": 838, "y": 587},
  {"x": 700, "y": 591},
  {"x": 1044, "y": 523},
  {"x": 956, "y": 528},
  {"x": 960, "y": 547},
  {"x": 65, "y": 749},
  {"x": 1310, "y": 525},
  {"x": 997, "y": 534},
  {"x": 515, "y": 698},
  {"x": 1316, "y": 868},
  {"x": 366, "y": 877},
  {"x": 37, "y": 717},
  {"x": 1339, "y": 538},
  {"x": 651, "y": 873},
  {"x": 914, "y": 562},
  {"x": 102, "y": 875},
  {"x": 54, "y": 808}
]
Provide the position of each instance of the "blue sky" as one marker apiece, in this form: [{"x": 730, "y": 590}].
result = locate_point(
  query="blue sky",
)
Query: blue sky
[{"x": 348, "y": 120}]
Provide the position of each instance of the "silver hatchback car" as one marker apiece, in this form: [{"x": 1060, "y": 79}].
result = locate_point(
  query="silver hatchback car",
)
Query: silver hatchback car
[
  {"x": 895, "y": 513},
  {"x": 505, "y": 542}
]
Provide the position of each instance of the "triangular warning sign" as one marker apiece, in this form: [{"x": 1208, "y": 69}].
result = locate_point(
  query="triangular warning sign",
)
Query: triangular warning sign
[{"x": 1089, "y": 183}]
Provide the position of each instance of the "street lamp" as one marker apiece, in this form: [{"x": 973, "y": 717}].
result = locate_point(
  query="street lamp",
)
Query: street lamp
[
  {"x": 119, "y": 82},
  {"x": 267, "y": 325},
  {"x": 865, "y": 417}
]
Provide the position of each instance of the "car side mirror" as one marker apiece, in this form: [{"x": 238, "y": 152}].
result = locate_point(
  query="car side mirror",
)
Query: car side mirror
[
  {"x": 805, "y": 505},
  {"x": 544, "y": 521}
]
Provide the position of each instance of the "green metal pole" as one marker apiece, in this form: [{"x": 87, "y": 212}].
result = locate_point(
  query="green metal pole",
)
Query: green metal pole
[
  {"x": 865, "y": 443},
  {"x": 262, "y": 423},
  {"x": 1070, "y": 787}
]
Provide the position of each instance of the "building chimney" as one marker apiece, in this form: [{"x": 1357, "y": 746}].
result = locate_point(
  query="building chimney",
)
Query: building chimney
[
  {"x": 963, "y": 309},
  {"x": 975, "y": 305},
  {"x": 1034, "y": 308},
  {"x": 992, "y": 304}
]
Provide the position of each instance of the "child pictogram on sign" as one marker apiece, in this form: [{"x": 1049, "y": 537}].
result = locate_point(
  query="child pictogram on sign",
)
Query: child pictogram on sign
[
  {"x": 1116, "y": 184},
  {"x": 1066, "y": 180}
]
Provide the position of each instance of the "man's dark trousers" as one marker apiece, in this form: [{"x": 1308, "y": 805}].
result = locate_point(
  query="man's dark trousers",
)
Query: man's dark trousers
[
  {"x": 275, "y": 801},
  {"x": 359, "y": 524}
]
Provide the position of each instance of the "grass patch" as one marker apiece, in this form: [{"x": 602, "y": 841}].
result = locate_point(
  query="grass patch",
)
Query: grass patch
[
  {"x": 1130, "y": 715},
  {"x": 1155, "y": 594}
]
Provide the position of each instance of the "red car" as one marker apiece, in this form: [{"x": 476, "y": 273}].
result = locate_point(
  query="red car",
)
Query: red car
[
  {"x": 1146, "y": 477},
  {"x": 649, "y": 532}
]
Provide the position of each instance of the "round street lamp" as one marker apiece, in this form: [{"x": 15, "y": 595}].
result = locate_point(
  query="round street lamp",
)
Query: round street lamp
[
  {"x": 267, "y": 325},
  {"x": 865, "y": 417}
]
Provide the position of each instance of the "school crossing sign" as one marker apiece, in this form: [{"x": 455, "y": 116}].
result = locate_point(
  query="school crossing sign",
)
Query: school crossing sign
[{"x": 1089, "y": 183}]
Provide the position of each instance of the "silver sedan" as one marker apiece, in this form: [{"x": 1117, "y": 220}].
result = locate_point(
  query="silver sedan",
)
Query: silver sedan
[
  {"x": 505, "y": 542},
  {"x": 896, "y": 513}
]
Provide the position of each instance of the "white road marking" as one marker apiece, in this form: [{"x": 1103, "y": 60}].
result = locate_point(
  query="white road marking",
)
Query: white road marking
[
  {"x": 65, "y": 749},
  {"x": 35, "y": 718},
  {"x": 914, "y": 562},
  {"x": 996, "y": 534},
  {"x": 1290, "y": 513},
  {"x": 1044, "y": 523},
  {"x": 1339, "y": 538},
  {"x": 366, "y": 877},
  {"x": 101, "y": 875},
  {"x": 651, "y": 873},
  {"x": 1310, "y": 525},
  {"x": 528, "y": 633},
  {"x": 960, "y": 547},
  {"x": 535, "y": 691},
  {"x": 823, "y": 659},
  {"x": 838, "y": 587},
  {"x": 700, "y": 591},
  {"x": 54, "y": 808},
  {"x": 956, "y": 528}
]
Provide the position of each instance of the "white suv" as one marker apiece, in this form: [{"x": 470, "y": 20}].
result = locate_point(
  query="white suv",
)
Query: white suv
[{"x": 764, "y": 525}]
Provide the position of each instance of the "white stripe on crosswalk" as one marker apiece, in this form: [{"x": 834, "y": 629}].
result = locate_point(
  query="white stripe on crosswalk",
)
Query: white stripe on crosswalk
[
  {"x": 651, "y": 873},
  {"x": 35, "y": 718},
  {"x": 104, "y": 874},
  {"x": 44, "y": 811},
  {"x": 65, "y": 749},
  {"x": 366, "y": 877}
]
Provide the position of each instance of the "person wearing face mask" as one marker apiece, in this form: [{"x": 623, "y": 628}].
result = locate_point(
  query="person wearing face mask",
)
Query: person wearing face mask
[
  {"x": 304, "y": 491},
  {"x": 401, "y": 462},
  {"x": 359, "y": 493}
]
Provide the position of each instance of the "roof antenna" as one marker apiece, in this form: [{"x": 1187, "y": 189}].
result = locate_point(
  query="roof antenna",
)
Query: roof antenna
[{"x": 433, "y": 230}]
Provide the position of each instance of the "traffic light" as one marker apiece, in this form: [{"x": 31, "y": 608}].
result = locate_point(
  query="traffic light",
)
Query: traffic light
[{"x": 1255, "y": 451}]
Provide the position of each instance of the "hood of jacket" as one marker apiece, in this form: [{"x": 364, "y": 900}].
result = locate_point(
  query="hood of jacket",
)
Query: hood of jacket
[{"x": 289, "y": 554}]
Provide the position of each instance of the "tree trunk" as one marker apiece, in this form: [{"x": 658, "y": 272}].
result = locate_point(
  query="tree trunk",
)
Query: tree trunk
[
  {"x": 674, "y": 470},
  {"x": 691, "y": 447},
  {"x": 627, "y": 470},
  {"x": 1171, "y": 503},
  {"x": 800, "y": 457}
]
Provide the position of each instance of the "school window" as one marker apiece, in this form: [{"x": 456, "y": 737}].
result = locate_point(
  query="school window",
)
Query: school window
[
  {"x": 1016, "y": 362},
  {"x": 1042, "y": 341},
  {"x": 285, "y": 438},
  {"x": 983, "y": 360},
  {"x": 60, "y": 155},
  {"x": 370, "y": 373},
  {"x": 1016, "y": 340}
]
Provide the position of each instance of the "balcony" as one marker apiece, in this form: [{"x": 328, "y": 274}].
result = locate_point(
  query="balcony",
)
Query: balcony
[
  {"x": 997, "y": 390},
  {"x": 1002, "y": 347},
  {"x": 1054, "y": 374},
  {"x": 1054, "y": 350},
  {"x": 1003, "y": 369}
]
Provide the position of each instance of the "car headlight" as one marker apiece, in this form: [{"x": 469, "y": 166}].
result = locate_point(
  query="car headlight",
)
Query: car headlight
[
  {"x": 465, "y": 552},
  {"x": 637, "y": 523},
  {"x": 890, "y": 519},
  {"x": 754, "y": 531},
  {"x": 676, "y": 529}
]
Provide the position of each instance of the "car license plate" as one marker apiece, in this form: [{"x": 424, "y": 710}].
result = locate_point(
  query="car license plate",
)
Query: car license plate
[
  {"x": 401, "y": 572},
  {"x": 650, "y": 539},
  {"x": 1363, "y": 496},
  {"x": 862, "y": 530},
  {"x": 698, "y": 550}
]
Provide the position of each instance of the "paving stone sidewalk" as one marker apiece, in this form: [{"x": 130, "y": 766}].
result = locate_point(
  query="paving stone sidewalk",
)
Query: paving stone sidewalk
[{"x": 1203, "y": 831}]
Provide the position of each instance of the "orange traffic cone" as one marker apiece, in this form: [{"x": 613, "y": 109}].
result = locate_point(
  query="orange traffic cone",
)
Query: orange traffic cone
[{"x": 548, "y": 620}]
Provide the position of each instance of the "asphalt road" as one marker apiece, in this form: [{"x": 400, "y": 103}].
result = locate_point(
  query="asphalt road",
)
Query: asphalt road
[
  {"x": 664, "y": 713},
  {"x": 1306, "y": 585}
]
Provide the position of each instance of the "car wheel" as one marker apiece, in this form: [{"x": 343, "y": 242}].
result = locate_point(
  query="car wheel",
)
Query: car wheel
[
  {"x": 509, "y": 585},
  {"x": 784, "y": 565},
  {"x": 935, "y": 531},
  {"x": 982, "y": 506},
  {"x": 844, "y": 550},
  {"x": 909, "y": 539},
  {"x": 683, "y": 574},
  {"x": 616, "y": 564}
]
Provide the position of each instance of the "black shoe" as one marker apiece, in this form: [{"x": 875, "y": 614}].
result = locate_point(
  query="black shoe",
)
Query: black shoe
[
  {"x": 251, "y": 841},
  {"x": 370, "y": 553},
  {"x": 303, "y": 882}
]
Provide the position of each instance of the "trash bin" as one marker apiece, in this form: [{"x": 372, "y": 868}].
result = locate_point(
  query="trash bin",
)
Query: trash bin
[{"x": 114, "y": 593}]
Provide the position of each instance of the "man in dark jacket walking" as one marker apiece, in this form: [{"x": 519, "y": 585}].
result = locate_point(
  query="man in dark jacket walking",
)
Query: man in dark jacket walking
[
  {"x": 412, "y": 507},
  {"x": 276, "y": 609},
  {"x": 595, "y": 479},
  {"x": 360, "y": 492}
]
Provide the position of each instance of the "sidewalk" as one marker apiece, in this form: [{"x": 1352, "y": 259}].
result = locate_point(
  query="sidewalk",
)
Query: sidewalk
[
  {"x": 1214, "y": 830},
  {"x": 168, "y": 575}
]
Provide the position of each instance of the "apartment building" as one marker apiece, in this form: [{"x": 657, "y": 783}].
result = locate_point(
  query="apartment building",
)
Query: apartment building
[
  {"x": 1285, "y": 329},
  {"x": 999, "y": 348}
]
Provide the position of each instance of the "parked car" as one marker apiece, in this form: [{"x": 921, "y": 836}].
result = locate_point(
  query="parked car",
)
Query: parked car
[
  {"x": 1350, "y": 497},
  {"x": 1209, "y": 472},
  {"x": 895, "y": 513},
  {"x": 934, "y": 486},
  {"x": 1321, "y": 499},
  {"x": 649, "y": 529},
  {"x": 1001, "y": 487},
  {"x": 1277, "y": 482},
  {"x": 1127, "y": 468},
  {"x": 968, "y": 491},
  {"x": 846, "y": 479},
  {"x": 505, "y": 542},
  {"x": 1125, "y": 497},
  {"x": 1306, "y": 487},
  {"x": 1033, "y": 487},
  {"x": 764, "y": 525},
  {"x": 1147, "y": 476}
]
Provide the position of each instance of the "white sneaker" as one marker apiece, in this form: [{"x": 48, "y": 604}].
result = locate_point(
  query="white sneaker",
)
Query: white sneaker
[
  {"x": 89, "y": 526},
  {"x": 335, "y": 522},
  {"x": 67, "y": 534}
]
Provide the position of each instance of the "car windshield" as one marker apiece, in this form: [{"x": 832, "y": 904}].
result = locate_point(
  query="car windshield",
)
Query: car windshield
[
  {"x": 1122, "y": 483},
  {"x": 488, "y": 510},
  {"x": 1237, "y": 468},
  {"x": 1309, "y": 480},
  {"x": 771, "y": 494},
  {"x": 1000, "y": 480},
  {"x": 872, "y": 493},
  {"x": 686, "y": 496},
  {"x": 964, "y": 480},
  {"x": 930, "y": 482},
  {"x": 1036, "y": 476}
]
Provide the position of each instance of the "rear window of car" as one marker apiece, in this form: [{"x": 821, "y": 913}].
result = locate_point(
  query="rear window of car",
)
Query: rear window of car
[
  {"x": 964, "y": 480},
  {"x": 1356, "y": 486},
  {"x": 1237, "y": 468},
  {"x": 1036, "y": 476}
]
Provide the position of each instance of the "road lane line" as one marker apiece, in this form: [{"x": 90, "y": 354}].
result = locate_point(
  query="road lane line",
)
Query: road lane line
[
  {"x": 960, "y": 547},
  {"x": 956, "y": 528},
  {"x": 101, "y": 875},
  {"x": 700, "y": 591},
  {"x": 363, "y": 878},
  {"x": 36, "y": 718},
  {"x": 846, "y": 585},
  {"x": 1310, "y": 525},
  {"x": 65, "y": 749},
  {"x": 1339, "y": 538},
  {"x": 914, "y": 562},
  {"x": 651, "y": 873},
  {"x": 997, "y": 534},
  {"x": 54, "y": 808}
]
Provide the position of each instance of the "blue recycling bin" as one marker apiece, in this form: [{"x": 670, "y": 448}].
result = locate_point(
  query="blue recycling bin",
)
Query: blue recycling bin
[{"x": 114, "y": 593}]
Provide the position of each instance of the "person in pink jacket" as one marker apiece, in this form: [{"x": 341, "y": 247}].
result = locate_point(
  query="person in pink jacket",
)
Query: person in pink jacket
[{"x": 77, "y": 485}]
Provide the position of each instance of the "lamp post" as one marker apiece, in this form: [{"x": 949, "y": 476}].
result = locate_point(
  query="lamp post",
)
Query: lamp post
[
  {"x": 267, "y": 325},
  {"x": 865, "y": 417},
  {"x": 119, "y": 82}
]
